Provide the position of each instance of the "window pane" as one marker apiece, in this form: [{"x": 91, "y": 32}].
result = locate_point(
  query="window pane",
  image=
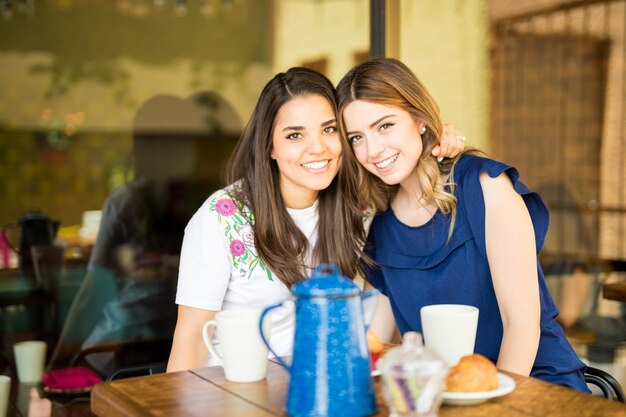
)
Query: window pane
[{"x": 126, "y": 110}]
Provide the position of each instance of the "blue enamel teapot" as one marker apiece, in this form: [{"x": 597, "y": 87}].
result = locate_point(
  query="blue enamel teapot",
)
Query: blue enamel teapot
[{"x": 330, "y": 369}]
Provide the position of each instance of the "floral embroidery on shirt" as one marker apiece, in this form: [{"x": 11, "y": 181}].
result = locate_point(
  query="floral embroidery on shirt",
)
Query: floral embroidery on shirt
[
  {"x": 368, "y": 211},
  {"x": 237, "y": 248},
  {"x": 226, "y": 207},
  {"x": 239, "y": 235}
]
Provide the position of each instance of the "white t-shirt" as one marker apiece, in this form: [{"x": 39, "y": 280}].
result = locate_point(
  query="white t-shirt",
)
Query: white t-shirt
[{"x": 220, "y": 268}]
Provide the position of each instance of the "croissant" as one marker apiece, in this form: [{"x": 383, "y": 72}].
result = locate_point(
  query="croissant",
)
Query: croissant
[{"x": 473, "y": 373}]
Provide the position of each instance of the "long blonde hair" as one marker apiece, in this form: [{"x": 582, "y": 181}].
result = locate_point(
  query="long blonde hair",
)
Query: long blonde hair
[{"x": 389, "y": 82}]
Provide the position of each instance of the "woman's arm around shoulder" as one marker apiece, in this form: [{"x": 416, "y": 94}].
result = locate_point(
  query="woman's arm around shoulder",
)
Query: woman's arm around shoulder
[
  {"x": 511, "y": 251},
  {"x": 188, "y": 349}
]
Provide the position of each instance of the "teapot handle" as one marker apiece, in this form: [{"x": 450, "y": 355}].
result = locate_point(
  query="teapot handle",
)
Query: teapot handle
[{"x": 267, "y": 343}]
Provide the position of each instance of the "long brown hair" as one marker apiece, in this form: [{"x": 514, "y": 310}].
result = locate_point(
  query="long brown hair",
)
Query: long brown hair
[
  {"x": 279, "y": 242},
  {"x": 389, "y": 82}
]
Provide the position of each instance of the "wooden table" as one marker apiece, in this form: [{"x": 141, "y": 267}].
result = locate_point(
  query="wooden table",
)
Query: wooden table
[
  {"x": 615, "y": 291},
  {"x": 205, "y": 393}
]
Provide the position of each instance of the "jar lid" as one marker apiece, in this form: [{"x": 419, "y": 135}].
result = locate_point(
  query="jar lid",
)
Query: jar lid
[
  {"x": 411, "y": 359},
  {"x": 327, "y": 282}
]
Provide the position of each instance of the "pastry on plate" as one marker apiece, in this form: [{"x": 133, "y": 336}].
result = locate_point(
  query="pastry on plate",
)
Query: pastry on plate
[{"x": 473, "y": 373}]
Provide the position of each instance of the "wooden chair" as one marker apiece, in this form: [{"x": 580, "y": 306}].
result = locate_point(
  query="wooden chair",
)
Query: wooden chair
[
  {"x": 611, "y": 389},
  {"x": 139, "y": 370}
]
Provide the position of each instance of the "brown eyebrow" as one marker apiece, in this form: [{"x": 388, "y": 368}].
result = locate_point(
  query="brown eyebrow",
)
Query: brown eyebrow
[
  {"x": 375, "y": 123},
  {"x": 326, "y": 123},
  {"x": 294, "y": 128}
]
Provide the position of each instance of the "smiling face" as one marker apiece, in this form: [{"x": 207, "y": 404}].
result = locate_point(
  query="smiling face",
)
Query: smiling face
[
  {"x": 386, "y": 140},
  {"x": 306, "y": 147}
]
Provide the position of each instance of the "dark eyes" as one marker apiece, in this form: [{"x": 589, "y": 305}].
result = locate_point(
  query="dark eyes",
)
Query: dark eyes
[
  {"x": 329, "y": 130},
  {"x": 354, "y": 139}
]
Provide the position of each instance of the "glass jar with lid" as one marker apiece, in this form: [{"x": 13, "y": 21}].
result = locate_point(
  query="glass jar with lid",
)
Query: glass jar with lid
[{"x": 413, "y": 378}]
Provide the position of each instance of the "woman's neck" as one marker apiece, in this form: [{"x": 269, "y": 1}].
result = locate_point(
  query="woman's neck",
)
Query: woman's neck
[
  {"x": 409, "y": 204},
  {"x": 299, "y": 200},
  {"x": 410, "y": 191}
]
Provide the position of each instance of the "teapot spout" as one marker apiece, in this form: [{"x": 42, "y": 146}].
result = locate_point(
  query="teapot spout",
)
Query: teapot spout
[{"x": 54, "y": 228}]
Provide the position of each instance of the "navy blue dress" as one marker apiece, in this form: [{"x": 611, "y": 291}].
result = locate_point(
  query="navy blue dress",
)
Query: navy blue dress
[{"x": 418, "y": 266}]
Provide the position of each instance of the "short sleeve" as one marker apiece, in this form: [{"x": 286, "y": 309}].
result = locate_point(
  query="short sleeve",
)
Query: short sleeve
[
  {"x": 470, "y": 194},
  {"x": 205, "y": 267}
]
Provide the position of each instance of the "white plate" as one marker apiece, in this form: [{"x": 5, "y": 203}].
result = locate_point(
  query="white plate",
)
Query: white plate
[{"x": 505, "y": 386}]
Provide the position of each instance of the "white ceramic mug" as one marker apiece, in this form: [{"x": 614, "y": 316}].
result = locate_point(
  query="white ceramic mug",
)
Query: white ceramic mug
[
  {"x": 449, "y": 330},
  {"x": 30, "y": 360},
  {"x": 243, "y": 355},
  {"x": 5, "y": 391}
]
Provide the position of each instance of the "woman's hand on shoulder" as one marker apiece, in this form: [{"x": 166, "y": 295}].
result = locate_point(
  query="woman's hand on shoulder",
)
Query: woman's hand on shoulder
[{"x": 451, "y": 143}]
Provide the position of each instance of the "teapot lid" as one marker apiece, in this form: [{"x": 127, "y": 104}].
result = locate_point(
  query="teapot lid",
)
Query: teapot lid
[
  {"x": 34, "y": 215},
  {"x": 326, "y": 281},
  {"x": 410, "y": 359}
]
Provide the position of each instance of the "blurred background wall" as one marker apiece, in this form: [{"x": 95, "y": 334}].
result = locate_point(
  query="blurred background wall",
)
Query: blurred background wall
[
  {"x": 73, "y": 73},
  {"x": 445, "y": 43}
]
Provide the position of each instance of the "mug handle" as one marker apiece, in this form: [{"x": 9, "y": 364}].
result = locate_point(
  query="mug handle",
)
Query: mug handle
[
  {"x": 209, "y": 343},
  {"x": 267, "y": 343}
]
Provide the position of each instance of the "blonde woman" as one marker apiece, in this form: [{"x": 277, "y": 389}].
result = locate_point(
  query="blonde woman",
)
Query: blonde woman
[{"x": 465, "y": 231}]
